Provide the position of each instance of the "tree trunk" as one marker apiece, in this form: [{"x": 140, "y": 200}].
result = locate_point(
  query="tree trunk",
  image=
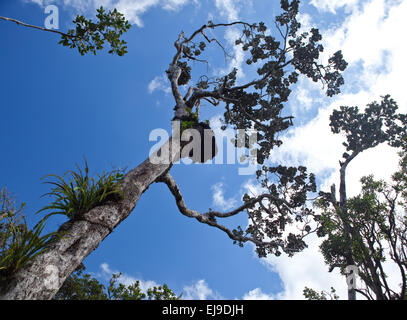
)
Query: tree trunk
[
  {"x": 45, "y": 274},
  {"x": 346, "y": 226}
]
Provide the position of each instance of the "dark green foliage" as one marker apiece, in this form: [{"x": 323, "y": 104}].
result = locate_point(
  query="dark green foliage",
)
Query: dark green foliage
[
  {"x": 80, "y": 286},
  {"x": 311, "y": 294},
  {"x": 358, "y": 230},
  {"x": 119, "y": 291},
  {"x": 378, "y": 228},
  {"x": 76, "y": 192},
  {"x": 89, "y": 36},
  {"x": 286, "y": 202},
  {"x": 378, "y": 231},
  {"x": 280, "y": 55},
  {"x": 189, "y": 121},
  {"x": 378, "y": 123},
  {"x": 18, "y": 244},
  {"x": 161, "y": 293},
  {"x": 187, "y": 124}
]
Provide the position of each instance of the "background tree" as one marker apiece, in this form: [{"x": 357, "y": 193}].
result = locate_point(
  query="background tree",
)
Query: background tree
[
  {"x": 82, "y": 286},
  {"x": 357, "y": 228},
  {"x": 279, "y": 58},
  {"x": 311, "y": 294}
]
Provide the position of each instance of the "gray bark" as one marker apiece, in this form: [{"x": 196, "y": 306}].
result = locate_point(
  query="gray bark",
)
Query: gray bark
[
  {"x": 44, "y": 275},
  {"x": 342, "y": 204}
]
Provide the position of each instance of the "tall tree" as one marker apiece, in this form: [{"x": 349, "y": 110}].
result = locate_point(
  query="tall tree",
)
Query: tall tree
[
  {"x": 279, "y": 57},
  {"x": 355, "y": 226}
]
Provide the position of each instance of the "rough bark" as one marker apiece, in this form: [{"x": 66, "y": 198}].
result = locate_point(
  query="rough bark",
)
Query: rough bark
[{"x": 42, "y": 277}]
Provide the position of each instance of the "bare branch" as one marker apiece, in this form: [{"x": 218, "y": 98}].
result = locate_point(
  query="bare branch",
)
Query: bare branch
[
  {"x": 209, "y": 217},
  {"x": 218, "y": 43},
  {"x": 189, "y": 92},
  {"x": 36, "y": 27},
  {"x": 174, "y": 70}
]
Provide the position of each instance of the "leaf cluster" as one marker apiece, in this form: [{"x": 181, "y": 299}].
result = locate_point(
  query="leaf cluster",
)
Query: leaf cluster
[
  {"x": 376, "y": 124},
  {"x": 89, "y": 36},
  {"x": 279, "y": 56},
  {"x": 311, "y": 294},
  {"x": 287, "y": 189},
  {"x": 82, "y": 286},
  {"x": 377, "y": 235}
]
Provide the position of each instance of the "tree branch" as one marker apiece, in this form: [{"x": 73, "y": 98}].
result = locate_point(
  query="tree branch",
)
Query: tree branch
[
  {"x": 36, "y": 27},
  {"x": 209, "y": 217}
]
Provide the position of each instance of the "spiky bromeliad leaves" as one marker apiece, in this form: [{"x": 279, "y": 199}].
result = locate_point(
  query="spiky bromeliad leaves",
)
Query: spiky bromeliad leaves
[
  {"x": 18, "y": 243},
  {"x": 77, "y": 192}
]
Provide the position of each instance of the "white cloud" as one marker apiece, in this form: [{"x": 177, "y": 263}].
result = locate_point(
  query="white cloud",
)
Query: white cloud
[
  {"x": 132, "y": 9},
  {"x": 124, "y": 278},
  {"x": 159, "y": 83},
  {"x": 228, "y": 9},
  {"x": 306, "y": 22},
  {"x": 370, "y": 40},
  {"x": 219, "y": 198},
  {"x": 371, "y": 44},
  {"x": 175, "y": 5},
  {"x": 303, "y": 98},
  {"x": 368, "y": 32},
  {"x": 257, "y": 294},
  {"x": 39, "y": 2},
  {"x": 305, "y": 269},
  {"x": 238, "y": 54},
  {"x": 333, "y": 5},
  {"x": 376, "y": 59},
  {"x": 199, "y": 291}
]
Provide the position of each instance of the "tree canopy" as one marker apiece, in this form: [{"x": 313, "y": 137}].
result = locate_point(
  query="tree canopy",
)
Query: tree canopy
[
  {"x": 279, "y": 56},
  {"x": 368, "y": 229},
  {"x": 82, "y": 286}
]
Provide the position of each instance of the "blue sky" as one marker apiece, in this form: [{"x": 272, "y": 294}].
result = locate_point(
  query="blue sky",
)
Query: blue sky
[{"x": 58, "y": 106}]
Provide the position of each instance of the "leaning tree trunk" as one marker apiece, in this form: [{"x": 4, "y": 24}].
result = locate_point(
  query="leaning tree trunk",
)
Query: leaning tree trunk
[{"x": 45, "y": 274}]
